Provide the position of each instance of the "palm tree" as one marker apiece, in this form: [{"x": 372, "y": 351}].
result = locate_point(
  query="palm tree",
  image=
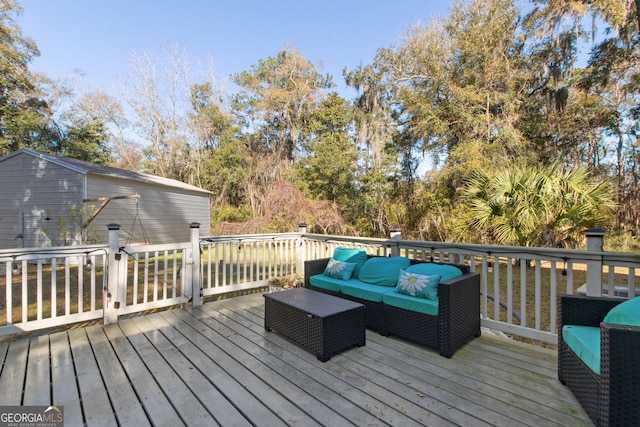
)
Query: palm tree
[{"x": 527, "y": 206}]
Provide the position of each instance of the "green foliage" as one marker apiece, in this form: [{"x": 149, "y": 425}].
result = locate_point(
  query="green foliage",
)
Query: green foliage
[
  {"x": 462, "y": 80},
  {"x": 70, "y": 228},
  {"x": 287, "y": 282},
  {"x": 208, "y": 120},
  {"x": 228, "y": 164},
  {"x": 328, "y": 165},
  {"x": 87, "y": 142},
  {"x": 528, "y": 206},
  {"x": 276, "y": 98},
  {"x": 622, "y": 242},
  {"x": 22, "y": 112},
  {"x": 230, "y": 213}
]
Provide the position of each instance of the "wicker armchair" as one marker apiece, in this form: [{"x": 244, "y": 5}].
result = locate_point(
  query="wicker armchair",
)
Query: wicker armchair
[{"x": 613, "y": 397}]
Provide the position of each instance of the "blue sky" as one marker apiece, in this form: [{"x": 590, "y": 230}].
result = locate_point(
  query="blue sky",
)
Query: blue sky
[{"x": 99, "y": 37}]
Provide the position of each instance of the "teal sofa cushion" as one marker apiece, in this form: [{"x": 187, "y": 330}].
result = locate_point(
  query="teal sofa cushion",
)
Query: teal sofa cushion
[
  {"x": 585, "y": 343},
  {"x": 418, "y": 285},
  {"x": 356, "y": 255},
  {"x": 625, "y": 313},
  {"x": 407, "y": 302},
  {"x": 365, "y": 291},
  {"x": 339, "y": 269},
  {"x": 328, "y": 283},
  {"x": 446, "y": 272},
  {"x": 383, "y": 271}
]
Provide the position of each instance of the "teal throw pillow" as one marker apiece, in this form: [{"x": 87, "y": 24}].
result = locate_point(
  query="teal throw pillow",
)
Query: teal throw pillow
[
  {"x": 383, "y": 270},
  {"x": 355, "y": 255},
  {"x": 418, "y": 285},
  {"x": 339, "y": 269},
  {"x": 445, "y": 271},
  {"x": 625, "y": 313}
]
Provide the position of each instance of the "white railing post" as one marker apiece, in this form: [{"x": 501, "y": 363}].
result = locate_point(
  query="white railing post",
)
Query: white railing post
[
  {"x": 595, "y": 237},
  {"x": 395, "y": 234},
  {"x": 301, "y": 253},
  {"x": 193, "y": 266},
  {"x": 110, "y": 293}
]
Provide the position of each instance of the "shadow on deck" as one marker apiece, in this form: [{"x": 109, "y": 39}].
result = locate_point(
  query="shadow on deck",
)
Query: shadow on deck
[{"x": 216, "y": 365}]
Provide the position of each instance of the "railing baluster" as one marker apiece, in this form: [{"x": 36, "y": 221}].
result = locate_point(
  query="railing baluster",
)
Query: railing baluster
[
  {"x": 175, "y": 273},
  {"x": 244, "y": 262},
  {"x": 136, "y": 279},
  {"x": 538, "y": 293},
  {"x": 523, "y": 291},
  {"x": 39, "y": 291},
  {"x": 25, "y": 292},
  {"x": 485, "y": 286},
  {"x": 611, "y": 281},
  {"x": 9, "y": 291},
  {"x": 80, "y": 286},
  {"x": 165, "y": 276},
  {"x": 496, "y": 288},
  {"x": 156, "y": 269},
  {"x": 92, "y": 280},
  {"x": 54, "y": 288},
  {"x": 552, "y": 298},
  {"x": 510, "y": 290},
  {"x": 145, "y": 297}
]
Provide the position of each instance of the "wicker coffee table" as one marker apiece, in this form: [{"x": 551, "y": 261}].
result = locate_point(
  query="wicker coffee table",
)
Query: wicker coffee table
[{"x": 321, "y": 323}]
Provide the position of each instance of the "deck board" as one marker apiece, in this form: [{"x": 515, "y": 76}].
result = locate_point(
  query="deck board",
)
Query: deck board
[
  {"x": 13, "y": 373},
  {"x": 122, "y": 395},
  {"x": 216, "y": 365},
  {"x": 194, "y": 371},
  {"x": 94, "y": 397},
  {"x": 64, "y": 388},
  {"x": 153, "y": 350},
  {"x": 303, "y": 370},
  {"x": 229, "y": 357},
  {"x": 157, "y": 406},
  {"x": 36, "y": 387}
]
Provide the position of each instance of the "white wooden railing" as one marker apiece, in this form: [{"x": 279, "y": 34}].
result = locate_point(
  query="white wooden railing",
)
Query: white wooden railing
[
  {"x": 57, "y": 286},
  {"x": 47, "y": 287},
  {"x": 234, "y": 263}
]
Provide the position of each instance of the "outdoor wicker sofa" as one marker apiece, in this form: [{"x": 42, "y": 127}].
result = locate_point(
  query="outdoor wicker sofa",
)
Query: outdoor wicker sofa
[
  {"x": 612, "y": 396},
  {"x": 458, "y": 315}
]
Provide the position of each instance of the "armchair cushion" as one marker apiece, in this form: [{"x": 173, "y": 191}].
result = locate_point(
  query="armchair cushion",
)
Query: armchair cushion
[
  {"x": 625, "y": 313},
  {"x": 383, "y": 270},
  {"x": 585, "y": 343}
]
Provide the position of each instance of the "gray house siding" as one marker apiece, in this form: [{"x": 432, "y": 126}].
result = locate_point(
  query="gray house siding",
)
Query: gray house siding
[
  {"x": 34, "y": 193},
  {"x": 164, "y": 215},
  {"x": 37, "y": 189}
]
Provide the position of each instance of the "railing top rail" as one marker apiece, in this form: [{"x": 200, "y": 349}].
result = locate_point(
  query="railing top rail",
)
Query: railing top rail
[
  {"x": 50, "y": 252},
  {"x": 350, "y": 239},
  {"x": 532, "y": 252},
  {"x": 153, "y": 248},
  {"x": 238, "y": 238}
]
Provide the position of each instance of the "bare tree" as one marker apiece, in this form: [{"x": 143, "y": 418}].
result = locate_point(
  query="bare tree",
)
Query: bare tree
[
  {"x": 157, "y": 92},
  {"x": 99, "y": 107}
]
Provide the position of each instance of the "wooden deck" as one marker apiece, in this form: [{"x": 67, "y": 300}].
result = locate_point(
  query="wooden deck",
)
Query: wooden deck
[{"x": 216, "y": 365}]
